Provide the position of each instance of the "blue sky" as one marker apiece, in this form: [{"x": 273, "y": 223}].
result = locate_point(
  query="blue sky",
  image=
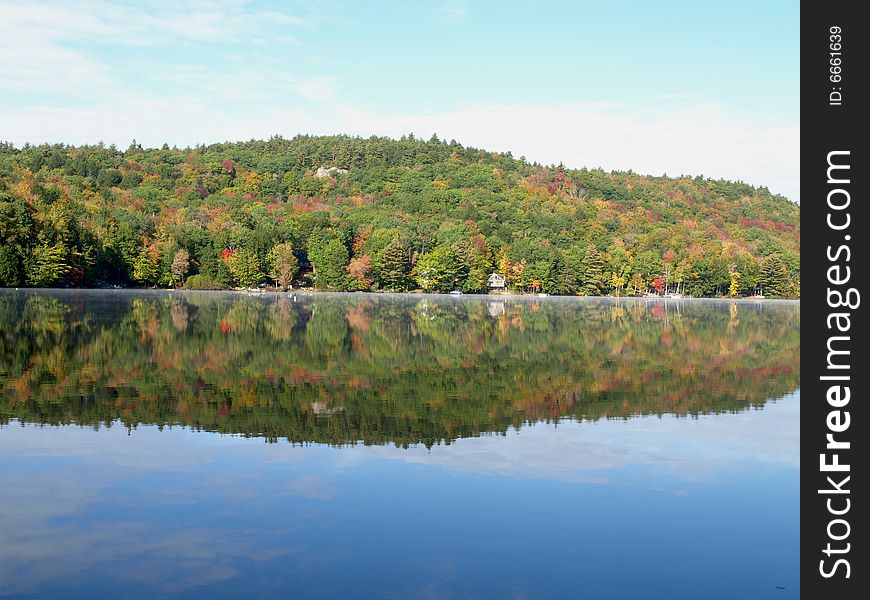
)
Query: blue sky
[{"x": 675, "y": 87}]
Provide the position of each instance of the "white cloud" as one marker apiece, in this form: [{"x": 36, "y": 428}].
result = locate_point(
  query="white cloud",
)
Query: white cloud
[
  {"x": 49, "y": 531},
  {"x": 56, "y": 46},
  {"x": 452, "y": 11},
  {"x": 317, "y": 88},
  {"x": 677, "y": 449},
  {"x": 32, "y": 67},
  {"x": 96, "y": 21}
]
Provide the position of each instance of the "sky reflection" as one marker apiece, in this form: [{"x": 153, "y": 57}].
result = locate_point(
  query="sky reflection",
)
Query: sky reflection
[{"x": 613, "y": 508}]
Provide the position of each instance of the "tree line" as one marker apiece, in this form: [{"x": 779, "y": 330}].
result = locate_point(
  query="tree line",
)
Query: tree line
[{"x": 348, "y": 213}]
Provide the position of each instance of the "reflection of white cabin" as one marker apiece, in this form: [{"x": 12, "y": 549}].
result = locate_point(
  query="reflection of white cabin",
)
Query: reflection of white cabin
[
  {"x": 496, "y": 281},
  {"x": 496, "y": 309},
  {"x": 322, "y": 408}
]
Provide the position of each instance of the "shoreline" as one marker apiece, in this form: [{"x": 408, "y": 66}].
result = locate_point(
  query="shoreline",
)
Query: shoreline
[{"x": 265, "y": 293}]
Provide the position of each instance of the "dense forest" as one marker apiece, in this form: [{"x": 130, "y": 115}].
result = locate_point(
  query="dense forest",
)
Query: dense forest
[
  {"x": 347, "y": 213},
  {"x": 383, "y": 369}
]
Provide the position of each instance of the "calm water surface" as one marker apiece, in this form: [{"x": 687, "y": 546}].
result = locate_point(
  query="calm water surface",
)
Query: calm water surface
[{"x": 207, "y": 445}]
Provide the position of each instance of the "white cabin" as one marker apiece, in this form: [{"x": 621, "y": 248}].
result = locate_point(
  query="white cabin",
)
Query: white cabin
[{"x": 496, "y": 282}]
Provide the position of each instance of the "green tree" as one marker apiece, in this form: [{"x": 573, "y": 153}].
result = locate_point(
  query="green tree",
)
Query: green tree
[
  {"x": 290, "y": 183},
  {"x": 283, "y": 264},
  {"x": 146, "y": 265},
  {"x": 562, "y": 276},
  {"x": 708, "y": 275},
  {"x": 773, "y": 277},
  {"x": 46, "y": 265},
  {"x": 649, "y": 264},
  {"x": 10, "y": 267},
  {"x": 393, "y": 268},
  {"x": 311, "y": 186},
  {"x": 330, "y": 265},
  {"x": 748, "y": 267},
  {"x": 594, "y": 282},
  {"x": 245, "y": 267},
  {"x": 574, "y": 269},
  {"x": 440, "y": 270},
  {"x": 478, "y": 260}
]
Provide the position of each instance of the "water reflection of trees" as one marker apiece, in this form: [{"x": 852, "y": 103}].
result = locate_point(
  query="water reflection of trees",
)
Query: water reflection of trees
[{"x": 341, "y": 369}]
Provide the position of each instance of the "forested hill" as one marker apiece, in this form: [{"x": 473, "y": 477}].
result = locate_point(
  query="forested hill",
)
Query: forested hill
[{"x": 349, "y": 213}]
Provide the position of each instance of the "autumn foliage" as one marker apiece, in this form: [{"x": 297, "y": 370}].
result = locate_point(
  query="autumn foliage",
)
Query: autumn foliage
[{"x": 96, "y": 216}]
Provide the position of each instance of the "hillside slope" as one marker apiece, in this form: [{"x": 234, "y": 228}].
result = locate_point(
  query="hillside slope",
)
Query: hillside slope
[{"x": 383, "y": 214}]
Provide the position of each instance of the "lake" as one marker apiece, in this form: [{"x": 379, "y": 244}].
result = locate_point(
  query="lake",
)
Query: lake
[{"x": 217, "y": 445}]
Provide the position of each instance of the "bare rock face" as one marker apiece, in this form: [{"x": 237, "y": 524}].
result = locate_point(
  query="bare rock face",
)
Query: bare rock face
[{"x": 329, "y": 171}]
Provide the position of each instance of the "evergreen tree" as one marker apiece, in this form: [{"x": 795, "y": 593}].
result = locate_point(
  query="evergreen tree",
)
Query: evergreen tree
[
  {"x": 16, "y": 232},
  {"x": 393, "y": 267},
  {"x": 594, "y": 282},
  {"x": 10, "y": 267},
  {"x": 330, "y": 265},
  {"x": 561, "y": 276},
  {"x": 574, "y": 269},
  {"x": 478, "y": 263},
  {"x": 773, "y": 277}
]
